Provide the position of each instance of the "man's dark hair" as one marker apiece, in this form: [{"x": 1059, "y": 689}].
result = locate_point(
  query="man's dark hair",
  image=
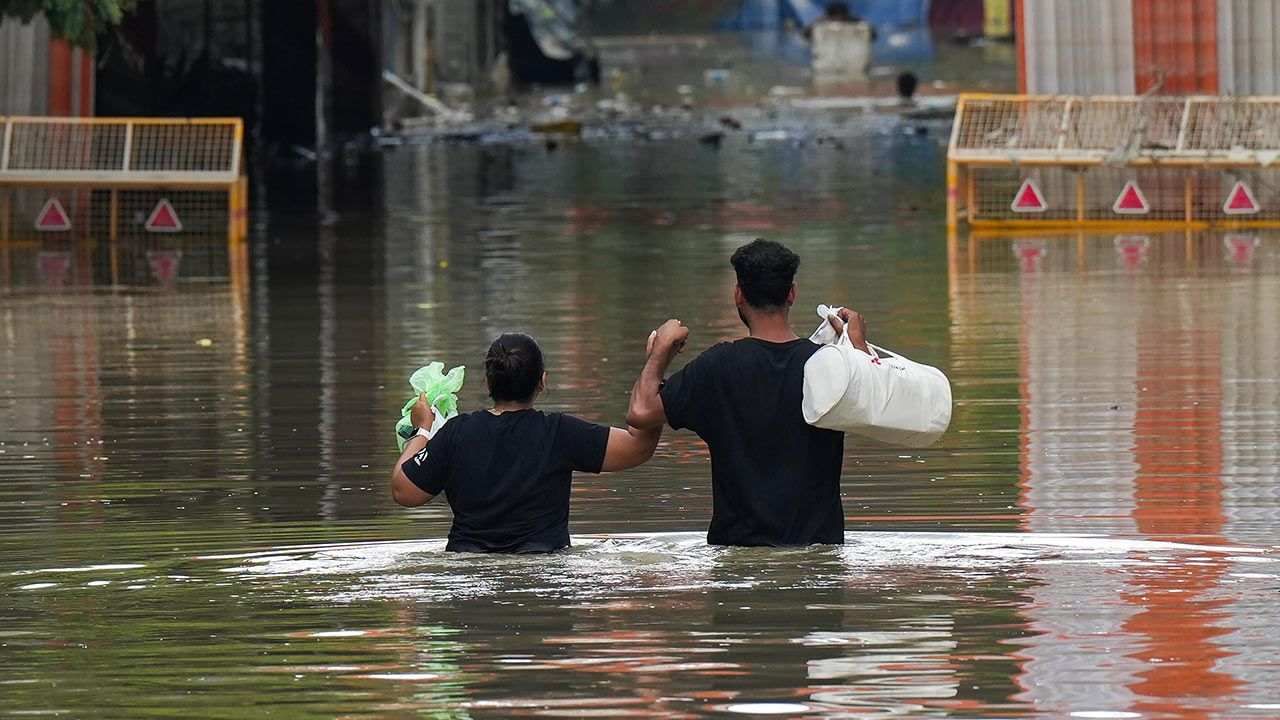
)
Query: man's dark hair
[
  {"x": 766, "y": 271},
  {"x": 513, "y": 368}
]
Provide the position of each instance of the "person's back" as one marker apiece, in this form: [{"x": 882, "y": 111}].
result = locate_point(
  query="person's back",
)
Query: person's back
[
  {"x": 507, "y": 477},
  {"x": 506, "y": 472},
  {"x": 775, "y": 479}
]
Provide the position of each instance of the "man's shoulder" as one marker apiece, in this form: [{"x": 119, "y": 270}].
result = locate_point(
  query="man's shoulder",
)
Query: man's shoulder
[
  {"x": 724, "y": 348},
  {"x": 750, "y": 346},
  {"x": 745, "y": 349},
  {"x": 713, "y": 358}
]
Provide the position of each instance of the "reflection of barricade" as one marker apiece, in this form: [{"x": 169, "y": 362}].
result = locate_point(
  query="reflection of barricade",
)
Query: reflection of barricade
[
  {"x": 1032, "y": 252},
  {"x": 121, "y": 188},
  {"x": 1025, "y": 161}
]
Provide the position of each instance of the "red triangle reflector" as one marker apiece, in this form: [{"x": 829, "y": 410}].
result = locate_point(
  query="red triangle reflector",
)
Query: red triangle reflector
[
  {"x": 1240, "y": 201},
  {"x": 53, "y": 267},
  {"x": 1240, "y": 248},
  {"x": 1131, "y": 201},
  {"x": 1029, "y": 199},
  {"x": 164, "y": 265},
  {"x": 1132, "y": 249},
  {"x": 1030, "y": 254},
  {"x": 52, "y": 217},
  {"x": 163, "y": 218}
]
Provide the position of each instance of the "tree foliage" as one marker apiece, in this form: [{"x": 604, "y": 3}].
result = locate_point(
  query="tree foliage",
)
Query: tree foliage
[{"x": 78, "y": 21}]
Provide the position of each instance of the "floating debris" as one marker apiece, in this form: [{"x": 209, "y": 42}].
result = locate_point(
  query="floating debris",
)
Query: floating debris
[{"x": 558, "y": 127}]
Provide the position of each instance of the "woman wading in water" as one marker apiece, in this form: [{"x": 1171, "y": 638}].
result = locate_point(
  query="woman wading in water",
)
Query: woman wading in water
[{"x": 506, "y": 471}]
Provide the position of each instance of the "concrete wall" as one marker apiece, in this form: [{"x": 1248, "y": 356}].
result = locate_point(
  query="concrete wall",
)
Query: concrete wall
[
  {"x": 1083, "y": 47},
  {"x": 404, "y": 42},
  {"x": 24, "y": 67},
  {"x": 442, "y": 41},
  {"x": 40, "y": 75},
  {"x": 1249, "y": 47},
  {"x": 464, "y": 38}
]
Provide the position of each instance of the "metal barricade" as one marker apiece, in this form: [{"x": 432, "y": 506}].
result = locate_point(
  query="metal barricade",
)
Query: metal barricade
[
  {"x": 1038, "y": 161},
  {"x": 136, "y": 186}
]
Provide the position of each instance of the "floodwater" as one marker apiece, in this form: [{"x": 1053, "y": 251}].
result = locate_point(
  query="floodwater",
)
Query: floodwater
[{"x": 194, "y": 521}]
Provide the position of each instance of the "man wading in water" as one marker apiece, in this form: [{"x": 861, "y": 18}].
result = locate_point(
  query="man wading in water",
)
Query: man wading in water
[{"x": 775, "y": 480}]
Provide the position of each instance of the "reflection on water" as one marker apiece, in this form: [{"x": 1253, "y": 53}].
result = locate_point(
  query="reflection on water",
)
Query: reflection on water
[
  {"x": 1147, "y": 407},
  {"x": 193, "y": 517}
]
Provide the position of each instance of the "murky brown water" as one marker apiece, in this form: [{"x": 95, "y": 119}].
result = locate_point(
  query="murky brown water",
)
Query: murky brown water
[{"x": 193, "y": 519}]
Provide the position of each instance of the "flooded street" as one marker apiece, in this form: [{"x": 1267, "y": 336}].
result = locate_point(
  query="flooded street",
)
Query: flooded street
[{"x": 194, "y": 515}]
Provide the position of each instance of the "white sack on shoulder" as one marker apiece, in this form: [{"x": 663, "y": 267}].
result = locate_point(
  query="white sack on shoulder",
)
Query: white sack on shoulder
[{"x": 887, "y": 398}]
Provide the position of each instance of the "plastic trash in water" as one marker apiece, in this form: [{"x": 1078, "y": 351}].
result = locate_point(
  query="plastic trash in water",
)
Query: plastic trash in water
[
  {"x": 441, "y": 389},
  {"x": 715, "y": 76},
  {"x": 885, "y": 397}
]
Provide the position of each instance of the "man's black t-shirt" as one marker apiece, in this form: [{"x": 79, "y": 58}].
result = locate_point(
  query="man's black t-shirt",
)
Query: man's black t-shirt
[
  {"x": 775, "y": 480},
  {"x": 507, "y": 477}
]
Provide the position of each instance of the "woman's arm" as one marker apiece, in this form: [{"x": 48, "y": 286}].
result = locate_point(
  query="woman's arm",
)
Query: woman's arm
[
  {"x": 629, "y": 448},
  {"x": 403, "y": 491}
]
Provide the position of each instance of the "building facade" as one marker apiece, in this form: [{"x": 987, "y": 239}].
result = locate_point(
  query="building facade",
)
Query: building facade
[{"x": 1134, "y": 47}]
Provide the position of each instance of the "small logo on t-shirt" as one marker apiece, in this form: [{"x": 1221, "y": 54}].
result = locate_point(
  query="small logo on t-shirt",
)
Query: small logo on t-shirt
[{"x": 420, "y": 457}]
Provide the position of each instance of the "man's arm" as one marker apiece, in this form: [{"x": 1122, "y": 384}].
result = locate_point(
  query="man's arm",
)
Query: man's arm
[
  {"x": 856, "y": 325},
  {"x": 403, "y": 491},
  {"x": 646, "y": 411}
]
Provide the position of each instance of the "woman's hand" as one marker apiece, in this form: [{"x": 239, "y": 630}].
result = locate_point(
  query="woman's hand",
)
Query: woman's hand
[{"x": 422, "y": 415}]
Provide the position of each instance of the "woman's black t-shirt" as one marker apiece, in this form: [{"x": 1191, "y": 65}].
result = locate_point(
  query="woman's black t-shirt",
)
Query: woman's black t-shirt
[{"x": 507, "y": 477}]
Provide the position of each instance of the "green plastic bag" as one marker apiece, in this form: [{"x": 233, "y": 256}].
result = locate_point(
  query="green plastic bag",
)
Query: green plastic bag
[{"x": 441, "y": 390}]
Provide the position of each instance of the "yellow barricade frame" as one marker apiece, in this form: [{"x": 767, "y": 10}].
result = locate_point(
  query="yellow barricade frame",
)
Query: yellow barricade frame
[
  {"x": 1186, "y": 153},
  {"x": 123, "y": 154}
]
